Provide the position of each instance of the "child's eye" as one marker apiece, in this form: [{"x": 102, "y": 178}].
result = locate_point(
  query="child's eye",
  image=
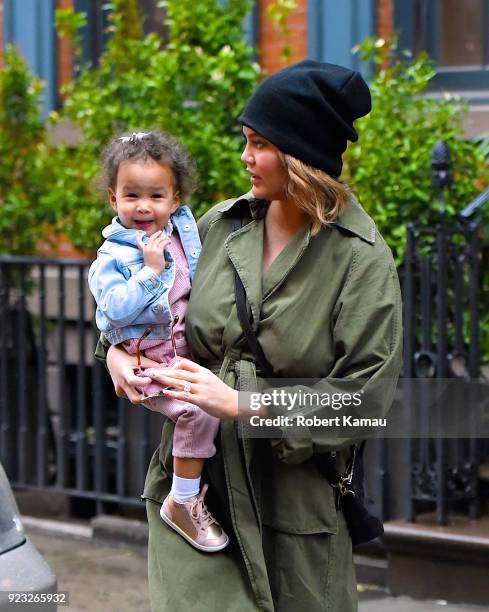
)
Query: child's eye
[
  {"x": 132, "y": 195},
  {"x": 157, "y": 195}
]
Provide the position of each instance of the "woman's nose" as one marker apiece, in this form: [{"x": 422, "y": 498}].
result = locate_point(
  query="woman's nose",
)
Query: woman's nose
[{"x": 246, "y": 157}]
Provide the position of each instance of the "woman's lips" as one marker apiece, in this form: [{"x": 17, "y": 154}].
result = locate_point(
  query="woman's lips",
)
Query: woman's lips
[{"x": 255, "y": 179}]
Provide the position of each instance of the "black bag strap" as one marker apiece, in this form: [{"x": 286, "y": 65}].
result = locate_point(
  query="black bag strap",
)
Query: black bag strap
[
  {"x": 325, "y": 462},
  {"x": 242, "y": 308}
]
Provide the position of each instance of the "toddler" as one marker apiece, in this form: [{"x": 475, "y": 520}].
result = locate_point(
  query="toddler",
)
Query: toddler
[{"x": 141, "y": 283}]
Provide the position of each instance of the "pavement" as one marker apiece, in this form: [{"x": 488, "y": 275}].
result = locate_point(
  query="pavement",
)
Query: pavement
[
  {"x": 99, "y": 576},
  {"x": 102, "y": 574}
]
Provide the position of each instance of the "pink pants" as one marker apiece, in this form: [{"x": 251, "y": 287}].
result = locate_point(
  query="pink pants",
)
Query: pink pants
[{"x": 195, "y": 430}]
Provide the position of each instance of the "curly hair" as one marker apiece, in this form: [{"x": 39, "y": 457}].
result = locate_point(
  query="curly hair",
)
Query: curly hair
[{"x": 161, "y": 147}]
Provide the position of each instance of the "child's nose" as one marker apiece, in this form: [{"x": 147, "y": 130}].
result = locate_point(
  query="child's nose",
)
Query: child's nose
[{"x": 143, "y": 205}]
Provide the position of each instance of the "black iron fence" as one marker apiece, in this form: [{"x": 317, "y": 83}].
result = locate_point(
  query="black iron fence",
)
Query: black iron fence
[
  {"x": 61, "y": 426},
  {"x": 441, "y": 287}
]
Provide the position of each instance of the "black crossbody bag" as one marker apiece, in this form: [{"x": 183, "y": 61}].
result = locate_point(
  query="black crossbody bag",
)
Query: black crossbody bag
[{"x": 349, "y": 487}]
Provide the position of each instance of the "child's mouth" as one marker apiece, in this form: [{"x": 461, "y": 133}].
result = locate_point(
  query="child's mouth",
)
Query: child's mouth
[{"x": 143, "y": 224}]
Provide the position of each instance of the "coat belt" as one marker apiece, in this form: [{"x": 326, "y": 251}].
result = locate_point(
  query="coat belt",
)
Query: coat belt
[{"x": 236, "y": 371}]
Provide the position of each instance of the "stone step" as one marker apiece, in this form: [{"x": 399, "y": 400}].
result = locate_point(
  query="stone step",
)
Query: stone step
[
  {"x": 370, "y": 570},
  {"x": 426, "y": 560}
]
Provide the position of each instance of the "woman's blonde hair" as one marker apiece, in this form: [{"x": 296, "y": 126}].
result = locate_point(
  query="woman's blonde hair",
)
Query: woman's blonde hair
[{"x": 317, "y": 193}]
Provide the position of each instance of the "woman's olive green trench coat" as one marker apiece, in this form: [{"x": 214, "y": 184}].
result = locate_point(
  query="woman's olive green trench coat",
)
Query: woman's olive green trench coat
[{"x": 328, "y": 307}]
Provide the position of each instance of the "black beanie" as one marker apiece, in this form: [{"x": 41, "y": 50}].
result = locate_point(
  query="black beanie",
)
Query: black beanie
[{"x": 307, "y": 110}]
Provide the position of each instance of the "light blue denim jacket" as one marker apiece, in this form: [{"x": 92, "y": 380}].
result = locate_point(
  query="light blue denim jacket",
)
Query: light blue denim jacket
[{"x": 131, "y": 296}]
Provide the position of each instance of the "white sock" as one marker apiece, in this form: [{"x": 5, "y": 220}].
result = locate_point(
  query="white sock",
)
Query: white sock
[{"x": 182, "y": 489}]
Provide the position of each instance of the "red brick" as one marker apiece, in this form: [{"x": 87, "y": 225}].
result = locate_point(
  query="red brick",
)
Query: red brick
[
  {"x": 64, "y": 51},
  {"x": 271, "y": 42},
  {"x": 385, "y": 18}
]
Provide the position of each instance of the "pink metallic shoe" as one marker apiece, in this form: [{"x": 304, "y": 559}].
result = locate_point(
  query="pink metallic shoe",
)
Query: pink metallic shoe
[{"x": 193, "y": 521}]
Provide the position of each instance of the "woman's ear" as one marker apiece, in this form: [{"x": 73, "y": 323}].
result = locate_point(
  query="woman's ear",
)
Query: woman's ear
[{"x": 112, "y": 199}]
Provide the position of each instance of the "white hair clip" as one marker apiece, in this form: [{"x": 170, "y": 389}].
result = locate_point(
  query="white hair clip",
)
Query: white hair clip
[{"x": 134, "y": 137}]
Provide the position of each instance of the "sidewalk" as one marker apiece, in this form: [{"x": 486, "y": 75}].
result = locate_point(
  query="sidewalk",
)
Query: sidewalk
[
  {"x": 99, "y": 576},
  {"x": 106, "y": 576}
]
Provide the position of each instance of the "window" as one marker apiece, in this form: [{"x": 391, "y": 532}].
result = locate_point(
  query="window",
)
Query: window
[
  {"x": 94, "y": 35},
  {"x": 95, "y": 32},
  {"x": 456, "y": 35},
  {"x": 153, "y": 16},
  {"x": 335, "y": 27},
  {"x": 461, "y": 33},
  {"x": 29, "y": 26}
]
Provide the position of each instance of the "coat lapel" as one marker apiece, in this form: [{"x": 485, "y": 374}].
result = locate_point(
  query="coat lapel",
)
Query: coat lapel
[
  {"x": 245, "y": 250},
  {"x": 285, "y": 262}
]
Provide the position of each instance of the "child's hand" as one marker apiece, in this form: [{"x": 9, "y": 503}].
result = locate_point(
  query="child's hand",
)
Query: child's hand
[{"x": 153, "y": 253}]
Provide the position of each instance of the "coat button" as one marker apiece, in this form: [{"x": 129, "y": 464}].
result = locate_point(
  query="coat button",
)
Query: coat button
[
  {"x": 158, "y": 307},
  {"x": 194, "y": 252},
  {"x": 186, "y": 227},
  {"x": 154, "y": 282}
]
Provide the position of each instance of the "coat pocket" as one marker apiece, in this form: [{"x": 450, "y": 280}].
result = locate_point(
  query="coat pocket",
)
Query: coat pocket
[
  {"x": 294, "y": 498},
  {"x": 130, "y": 268}
]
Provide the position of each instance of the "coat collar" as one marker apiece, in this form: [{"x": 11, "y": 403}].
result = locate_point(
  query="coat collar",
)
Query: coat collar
[
  {"x": 256, "y": 207},
  {"x": 354, "y": 218}
]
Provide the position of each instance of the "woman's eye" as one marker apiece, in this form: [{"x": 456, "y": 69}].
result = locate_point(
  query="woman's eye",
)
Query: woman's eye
[{"x": 258, "y": 144}]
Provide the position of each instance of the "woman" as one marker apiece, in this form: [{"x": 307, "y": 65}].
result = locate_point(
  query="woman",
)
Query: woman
[{"x": 324, "y": 296}]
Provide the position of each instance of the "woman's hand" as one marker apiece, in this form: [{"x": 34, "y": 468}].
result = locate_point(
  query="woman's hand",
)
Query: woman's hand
[
  {"x": 121, "y": 366},
  {"x": 206, "y": 390}
]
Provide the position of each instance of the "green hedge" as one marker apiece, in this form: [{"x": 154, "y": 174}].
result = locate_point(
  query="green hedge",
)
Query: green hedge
[
  {"x": 25, "y": 167},
  {"x": 194, "y": 87}
]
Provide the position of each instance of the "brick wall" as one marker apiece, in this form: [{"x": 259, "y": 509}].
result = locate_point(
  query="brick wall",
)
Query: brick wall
[
  {"x": 64, "y": 68},
  {"x": 385, "y": 18},
  {"x": 271, "y": 42}
]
